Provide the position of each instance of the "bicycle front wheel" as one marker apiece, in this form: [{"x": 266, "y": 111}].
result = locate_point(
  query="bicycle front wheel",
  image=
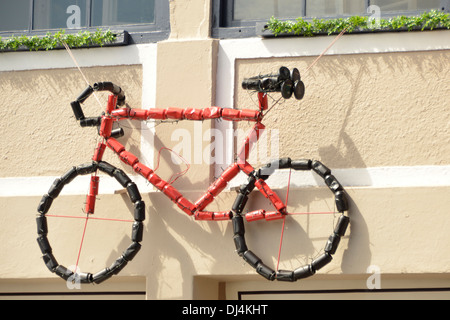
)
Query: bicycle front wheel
[
  {"x": 257, "y": 179},
  {"x": 132, "y": 198}
]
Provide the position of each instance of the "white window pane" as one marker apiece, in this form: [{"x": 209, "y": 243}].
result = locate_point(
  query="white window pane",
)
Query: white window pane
[
  {"x": 122, "y": 12},
  {"x": 14, "y": 15},
  {"x": 264, "y": 9},
  {"x": 327, "y": 8},
  {"x": 59, "y": 14},
  {"x": 406, "y": 5}
]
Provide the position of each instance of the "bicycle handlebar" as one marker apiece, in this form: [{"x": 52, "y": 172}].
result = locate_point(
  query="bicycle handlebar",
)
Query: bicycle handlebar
[
  {"x": 99, "y": 86},
  {"x": 286, "y": 82},
  {"x": 114, "y": 89}
]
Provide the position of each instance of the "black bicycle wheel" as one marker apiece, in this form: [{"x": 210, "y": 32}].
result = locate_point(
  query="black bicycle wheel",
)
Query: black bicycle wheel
[
  {"x": 137, "y": 225},
  {"x": 331, "y": 245}
]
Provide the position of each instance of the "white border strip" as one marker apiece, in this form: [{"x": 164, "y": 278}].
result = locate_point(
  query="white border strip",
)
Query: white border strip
[
  {"x": 59, "y": 59},
  {"x": 38, "y": 186},
  {"x": 380, "y": 177}
]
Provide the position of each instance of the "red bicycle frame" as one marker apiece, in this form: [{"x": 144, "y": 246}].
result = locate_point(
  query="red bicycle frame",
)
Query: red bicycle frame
[
  {"x": 197, "y": 209},
  {"x": 256, "y": 178}
]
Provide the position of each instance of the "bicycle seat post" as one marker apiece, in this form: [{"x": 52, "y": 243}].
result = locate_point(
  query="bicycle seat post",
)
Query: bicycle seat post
[
  {"x": 262, "y": 99},
  {"x": 112, "y": 103}
]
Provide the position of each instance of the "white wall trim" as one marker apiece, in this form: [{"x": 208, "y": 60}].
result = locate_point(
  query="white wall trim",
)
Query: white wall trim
[
  {"x": 38, "y": 186},
  {"x": 59, "y": 59},
  {"x": 380, "y": 177}
]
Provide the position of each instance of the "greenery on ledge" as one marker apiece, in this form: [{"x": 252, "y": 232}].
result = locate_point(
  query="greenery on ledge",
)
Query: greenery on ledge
[
  {"x": 426, "y": 21},
  {"x": 53, "y": 41}
]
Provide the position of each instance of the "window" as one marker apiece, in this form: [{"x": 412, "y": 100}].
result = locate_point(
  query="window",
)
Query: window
[
  {"x": 59, "y": 14},
  {"x": 120, "y": 12},
  {"x": 407, "y": 5},
  {"x": 327, "y": 8},
  {"x": 148, "y": 20},
  {"x": 14, "y": 15},
  {"x": 238, "y": 18},
  {"x": 257, "y": 9}
]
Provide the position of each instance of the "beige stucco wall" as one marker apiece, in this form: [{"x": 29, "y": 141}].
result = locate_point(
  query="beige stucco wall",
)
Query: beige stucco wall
[
  {"x": 41, "y": 135},
  {"x": 355, "y": 104},
  {"x": 186, "y": 85},
  {"x": 360, "y": 111}
]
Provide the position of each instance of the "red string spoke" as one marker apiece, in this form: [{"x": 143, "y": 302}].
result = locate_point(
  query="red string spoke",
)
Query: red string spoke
[
  {"x": 81, "y": 244},
  {"x": 308, "y": 213},
  {"x": 294, "y": 213},
  {"x": 87, "y": 218},
  {"x": 284, "y": 220},
  {"x": 281, "y": 243},
  {"x": 90, "y": 218}
]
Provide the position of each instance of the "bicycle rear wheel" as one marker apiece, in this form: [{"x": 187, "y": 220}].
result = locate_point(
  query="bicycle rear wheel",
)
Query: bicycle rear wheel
[
  {"x": 257, "y": 179},
  {"x": 133, "y": 197}
]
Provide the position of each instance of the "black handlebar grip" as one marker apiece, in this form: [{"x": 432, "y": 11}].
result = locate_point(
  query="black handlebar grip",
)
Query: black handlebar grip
[
  {"x": 91, "y": 122},
  {"x": 252, "y": 84},
  {"x": 114, "y": 89},
  {"x": 284, "y": 81},
  {"x": 85, "y": 94},
  {"x": 268, "y": 84},
  {"x": 77, "y": 111}
]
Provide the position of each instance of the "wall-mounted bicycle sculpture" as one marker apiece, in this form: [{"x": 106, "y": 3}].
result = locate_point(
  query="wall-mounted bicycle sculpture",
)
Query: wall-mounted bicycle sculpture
[{"x": 286, "y": 82}]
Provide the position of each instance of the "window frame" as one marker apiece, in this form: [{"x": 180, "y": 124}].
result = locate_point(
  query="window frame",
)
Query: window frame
[
  {"x": 136, "y": 33},
  {"x": 224, "y": 27}
]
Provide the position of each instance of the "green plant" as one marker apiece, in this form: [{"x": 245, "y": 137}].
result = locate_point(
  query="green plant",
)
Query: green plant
[
  {"x": 301, "y": 27},
  {"x": 52, "y": 41}
]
